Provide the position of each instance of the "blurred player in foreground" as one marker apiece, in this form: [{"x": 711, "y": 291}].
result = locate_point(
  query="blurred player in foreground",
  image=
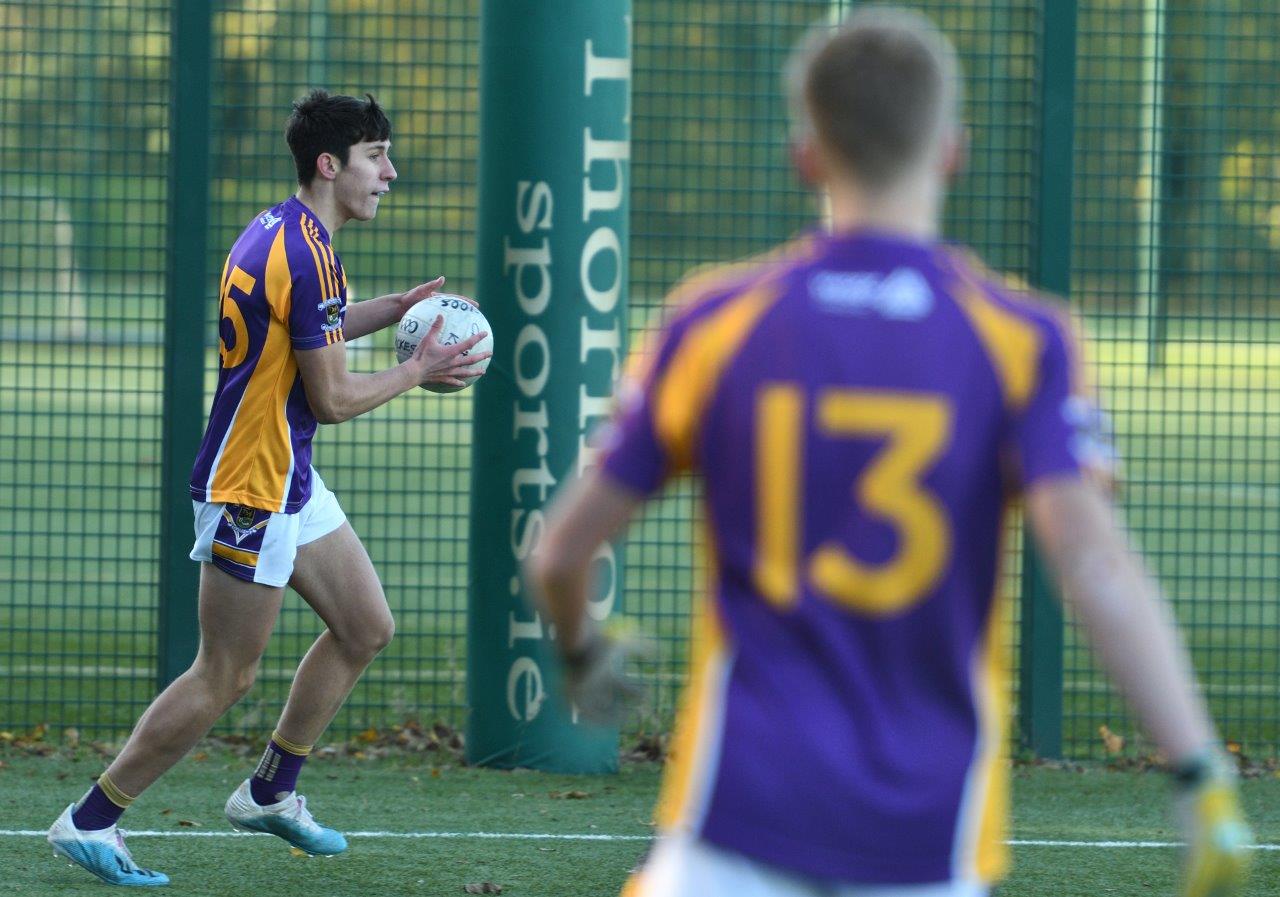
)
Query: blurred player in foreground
[
  {"x": 861, "y": 408},
  {"x": 263, "y": 516}
]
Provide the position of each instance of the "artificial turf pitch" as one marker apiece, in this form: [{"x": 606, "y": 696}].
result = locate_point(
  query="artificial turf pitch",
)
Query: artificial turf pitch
[{"x": 421, "y": 824}]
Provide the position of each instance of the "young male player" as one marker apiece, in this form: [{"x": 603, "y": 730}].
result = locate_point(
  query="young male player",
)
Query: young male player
[
  {"x": 264, "y": 518},
  {"x": 861, "y": 408}
]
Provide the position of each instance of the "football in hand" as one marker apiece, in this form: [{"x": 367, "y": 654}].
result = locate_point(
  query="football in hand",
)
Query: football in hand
[{"x": 462, "y": 319}]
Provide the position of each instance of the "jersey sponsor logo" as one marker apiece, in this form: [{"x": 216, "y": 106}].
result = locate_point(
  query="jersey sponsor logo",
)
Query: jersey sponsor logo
[
  {"x": 268, "y": 220},
  {"x": 901, "y": 295},
  {"x": 242, "y": 523}
]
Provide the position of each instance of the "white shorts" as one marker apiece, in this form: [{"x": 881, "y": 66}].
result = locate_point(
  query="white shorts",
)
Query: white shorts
[
  {"x": 686, "y": 867},
  {"x": 260, "y": 546}
]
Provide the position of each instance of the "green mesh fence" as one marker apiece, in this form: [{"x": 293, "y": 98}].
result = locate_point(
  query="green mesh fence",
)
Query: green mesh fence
[
  {"x": 83, "y": 101},
  {"x": 1175, "y": 269},
  {"x": 1175, "y": 252}
]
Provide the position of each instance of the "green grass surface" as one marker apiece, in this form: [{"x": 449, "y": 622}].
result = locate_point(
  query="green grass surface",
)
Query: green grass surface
[{"x": 428, "y": 793}]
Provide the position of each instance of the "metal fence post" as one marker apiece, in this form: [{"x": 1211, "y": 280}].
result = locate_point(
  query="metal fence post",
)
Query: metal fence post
[
  {"x": 184, "y": 313},
  {"x": 1041, "y": 643}
]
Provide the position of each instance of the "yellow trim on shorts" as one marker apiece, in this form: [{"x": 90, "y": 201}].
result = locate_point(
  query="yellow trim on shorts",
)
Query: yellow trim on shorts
[{"x": 248, "y": 558}]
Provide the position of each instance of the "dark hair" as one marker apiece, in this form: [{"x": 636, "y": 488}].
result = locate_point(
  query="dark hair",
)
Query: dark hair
[
  {"x": 878, "y": 91},
  {"x": 322, "y": 122}
]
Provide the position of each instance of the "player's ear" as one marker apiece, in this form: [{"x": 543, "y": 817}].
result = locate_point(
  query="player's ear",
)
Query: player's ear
[
  {"x": 806, "y": 161},
  {"x": 955, "y": 153},
  {"x": 328, "y": 166}
]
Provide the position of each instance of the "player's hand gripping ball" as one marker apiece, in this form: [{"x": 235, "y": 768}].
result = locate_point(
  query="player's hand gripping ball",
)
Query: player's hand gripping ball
[{"x": 462, "y": 319}]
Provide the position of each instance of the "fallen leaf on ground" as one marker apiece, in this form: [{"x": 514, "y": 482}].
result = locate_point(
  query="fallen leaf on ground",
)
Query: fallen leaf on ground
[{"x": 569, "y": 795}]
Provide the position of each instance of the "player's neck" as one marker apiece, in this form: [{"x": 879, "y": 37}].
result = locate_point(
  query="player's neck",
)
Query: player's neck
[
  {"x": 325, "y": 207},
  {"x": 912, "y": 211}
]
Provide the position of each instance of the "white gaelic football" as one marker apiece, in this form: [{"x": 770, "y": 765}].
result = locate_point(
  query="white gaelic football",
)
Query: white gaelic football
[{"x": 462, "y": 319}]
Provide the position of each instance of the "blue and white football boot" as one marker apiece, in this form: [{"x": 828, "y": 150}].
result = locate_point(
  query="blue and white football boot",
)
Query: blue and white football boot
[
  {"x": 289, "y": 819},
  {"x": 102, "y": 852}
]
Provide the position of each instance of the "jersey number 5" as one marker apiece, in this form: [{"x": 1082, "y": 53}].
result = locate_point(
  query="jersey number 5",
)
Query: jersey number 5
[
  {"x": 241, "y": 280},
  {"x": 915, "y": 429}
]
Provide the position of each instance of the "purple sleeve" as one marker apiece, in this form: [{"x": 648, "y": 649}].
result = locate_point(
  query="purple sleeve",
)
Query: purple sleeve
[
  {"x": 318, "y": 308},
  {"x": 632, "y": 454},
  {"x": 1061, "y": 431}
]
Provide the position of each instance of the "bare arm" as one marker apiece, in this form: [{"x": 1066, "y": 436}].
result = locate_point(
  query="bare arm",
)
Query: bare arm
[
  {"x": 373, "y": 315},
  {"x": 337, "y": 394},
  {"x": 586, "y": 514},
  {"x": 1121, "y": 607}
]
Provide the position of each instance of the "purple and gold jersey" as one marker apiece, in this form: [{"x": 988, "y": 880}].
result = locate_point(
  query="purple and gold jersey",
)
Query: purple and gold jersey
[
  {"x": 861, "y": 409},
  {"x": 283, "y": 289}
]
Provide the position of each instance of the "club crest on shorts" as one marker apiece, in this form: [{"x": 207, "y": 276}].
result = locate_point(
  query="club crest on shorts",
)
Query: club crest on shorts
[{"x": 242, "y": 522}]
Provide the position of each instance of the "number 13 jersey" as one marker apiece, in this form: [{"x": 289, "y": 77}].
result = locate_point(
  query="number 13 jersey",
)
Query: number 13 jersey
[
  {"x": 282, "y": 289},
  {"x": 860, "y": 409}
]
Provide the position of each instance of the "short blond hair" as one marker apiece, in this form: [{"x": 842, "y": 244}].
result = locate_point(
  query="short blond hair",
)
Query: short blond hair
[{"x": 879, "y": 91}]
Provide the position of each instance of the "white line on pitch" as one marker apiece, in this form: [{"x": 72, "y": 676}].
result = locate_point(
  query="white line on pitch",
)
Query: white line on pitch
[
  {"x": 546, "y": 836},
  {"x": 1117, "y": 844},
  {"x": 513, "y": 836}
]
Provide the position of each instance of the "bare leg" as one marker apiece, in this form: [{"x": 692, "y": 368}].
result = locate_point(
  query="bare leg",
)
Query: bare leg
[
  {"x": 236, "y": 619},
  {"x": 335, "y": 576}
]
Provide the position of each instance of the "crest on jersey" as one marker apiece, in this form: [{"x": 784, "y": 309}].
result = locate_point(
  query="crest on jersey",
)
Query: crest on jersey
[
  {"x": 242, "y": 522},
  {"x": 332, "y": 309},
  {"x": 268, "y": 220}
]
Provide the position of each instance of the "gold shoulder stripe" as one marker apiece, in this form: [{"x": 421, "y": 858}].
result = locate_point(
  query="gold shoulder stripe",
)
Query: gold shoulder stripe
[
  {"x": 331, "y": 287},
  {"x": 1054, "y": 306},
  {"x": 704, "y": 280},
  {"x": 332, "y": 267},
  {"x": 693, "y": 375},
  {"x": 307, "y": 232},
  {"x": 1012, "y": 342}
]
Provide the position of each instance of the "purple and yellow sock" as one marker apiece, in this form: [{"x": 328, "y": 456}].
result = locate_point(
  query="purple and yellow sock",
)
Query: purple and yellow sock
[
  {"x": 277, "y": 773},
  {"x": 101, "y": 808}
]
